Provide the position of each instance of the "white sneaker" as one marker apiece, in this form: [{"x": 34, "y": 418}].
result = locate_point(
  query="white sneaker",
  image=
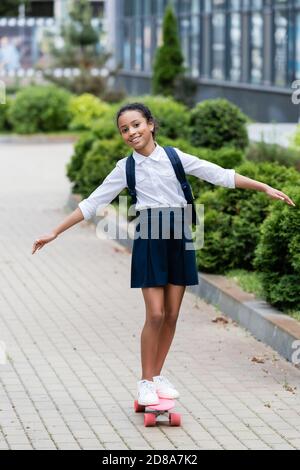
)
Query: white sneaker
[
  {"x": 164, "y": 388},
  {"x": 146, "y": 393}
]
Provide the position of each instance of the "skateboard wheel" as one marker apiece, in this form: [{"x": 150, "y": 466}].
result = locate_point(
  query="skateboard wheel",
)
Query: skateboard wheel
[
  {"x": 175, "y": 419},
  {"x": 149, "y": 420},
  {"x": 138, "y": 408}
]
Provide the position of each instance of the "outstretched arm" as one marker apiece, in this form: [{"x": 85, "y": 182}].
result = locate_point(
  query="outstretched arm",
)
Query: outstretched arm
[
  {"x": 113, "y": 184},
  {"x": 248, "y": 183},
  {"x": 72, "y": 219}
]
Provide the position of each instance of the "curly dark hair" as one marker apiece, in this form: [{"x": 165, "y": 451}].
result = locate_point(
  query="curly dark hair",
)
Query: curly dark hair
[{"x": 143, "y": 109}]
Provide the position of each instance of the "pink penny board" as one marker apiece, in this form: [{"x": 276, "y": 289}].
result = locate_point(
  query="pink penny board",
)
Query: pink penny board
[
  {"x": 151, "y": 412},
  {"x": 164, "y": 405}
]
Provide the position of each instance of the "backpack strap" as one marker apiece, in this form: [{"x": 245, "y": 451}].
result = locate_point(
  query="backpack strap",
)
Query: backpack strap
[
  {"x": 180, "y": 174},
  {"x": 130, "y": 177}
]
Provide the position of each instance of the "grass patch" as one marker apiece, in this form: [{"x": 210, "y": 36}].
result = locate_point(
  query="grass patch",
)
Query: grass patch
[
  {"x": 250, "y": 281},
  {"x": 294, "y": 314}
]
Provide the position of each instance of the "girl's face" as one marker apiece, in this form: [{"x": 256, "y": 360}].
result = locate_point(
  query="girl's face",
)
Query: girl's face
[{"x": 135, "y": 129}]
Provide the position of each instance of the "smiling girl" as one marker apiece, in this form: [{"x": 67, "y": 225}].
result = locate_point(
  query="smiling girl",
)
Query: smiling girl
[{"x": 162, "y": 267}]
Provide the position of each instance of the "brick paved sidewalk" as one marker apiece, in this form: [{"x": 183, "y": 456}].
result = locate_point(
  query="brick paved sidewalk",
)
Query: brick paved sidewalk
[{"x": 72, "y": 328}]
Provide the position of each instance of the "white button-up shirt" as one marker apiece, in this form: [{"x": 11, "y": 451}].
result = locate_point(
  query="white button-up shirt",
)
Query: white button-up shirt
[{"x": 156, "y": 181}]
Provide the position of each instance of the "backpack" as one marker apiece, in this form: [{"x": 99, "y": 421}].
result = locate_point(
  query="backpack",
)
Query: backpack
[{"x": 180, "y": 174}]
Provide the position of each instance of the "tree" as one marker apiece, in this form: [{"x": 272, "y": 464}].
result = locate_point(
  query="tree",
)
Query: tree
[
  {"x": 169, "y": 77},
  {"x": 168, "y": 61},
  {"x": 80, "y": 50}
]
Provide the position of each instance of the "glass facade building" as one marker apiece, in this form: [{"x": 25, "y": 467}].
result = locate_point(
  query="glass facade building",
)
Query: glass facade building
[
  {"x": 220, "y": 39},
  {"x": 252, "y": 44}
]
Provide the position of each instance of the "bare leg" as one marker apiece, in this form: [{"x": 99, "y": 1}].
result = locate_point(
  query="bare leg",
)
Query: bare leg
[
  {"x": 173, "y": 298},
  {"x": 154, "y": 302}
]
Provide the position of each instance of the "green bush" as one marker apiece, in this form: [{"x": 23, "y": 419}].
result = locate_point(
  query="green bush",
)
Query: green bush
[
  {"x": 277, "y": 254},
  {"x": 85, "y": 109},
  {"x": 217, "y": 123},
  {"x": 102, "y": 129},
  {"x": 40, "y": 109},
  {"x": 98, "y": 161},
  {"x": 295, "y": 139},
  {"x": 106, "y": 127},
  {"x": 81, "y": 148},
  {"x": 225, "y": 157},
  {"x": 263, "y": 152},
  {"x": 233, "y": 218},
  {"x": 168, "y": 62}
]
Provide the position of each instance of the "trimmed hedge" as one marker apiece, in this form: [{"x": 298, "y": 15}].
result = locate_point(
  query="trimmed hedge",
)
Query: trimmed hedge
[
  {"x": 40, "y": 109},
  {"x": 261, "y": 152},
  {"x": 94, "y": 160},
  {"x": 277, "y": 254},
  {"x": 233, "y": 218},
  {"x": 217, "y": 123},
  {"x": 85, "y": 110},
  {"x": 227, "y": 157},
  {"x": 81, "y": 149}
]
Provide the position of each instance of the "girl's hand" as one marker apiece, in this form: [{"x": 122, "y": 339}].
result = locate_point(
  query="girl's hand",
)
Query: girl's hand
[
  {"x": 40, "y": 242},
  {"x": 276, "y": 194}
]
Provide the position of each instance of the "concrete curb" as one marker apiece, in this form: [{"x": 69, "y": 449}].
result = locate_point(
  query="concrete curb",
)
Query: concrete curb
[{"x": 264, "y": 322}]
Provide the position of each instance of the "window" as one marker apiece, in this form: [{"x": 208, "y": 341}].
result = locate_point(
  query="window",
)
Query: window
[
  {"x": 147, "y": 44},
  {"x": 235, "y": 5},
  {"x": 258, "y": 4},
  {"x": 138, "y": 44},
  {"x": 195, "y": 7},
  {"x": 218, "y": 45},
  {"x": 97, "y": 9},
  {"x": 159, "y": 32},
  {"x": 160, "y": 7},
  {"x": 127, "y": 44},
  {"x": 40, "y": 9},
  {"x": 128, "y": 8},
  {"x": 184, "y": 6},
  {"x": 235, "y": 38},
  {"x": 256, "y": 28},
  {"x": 281, "y": 47},
  {"x": 148, "y": 8},
  {"x": 297, "y": 52},
  {"x": 138, "y": 7},
  {"x": 185, "y": 31},
  {"x": 195, "y": 45},
  {"x": 218, "y": 4}
]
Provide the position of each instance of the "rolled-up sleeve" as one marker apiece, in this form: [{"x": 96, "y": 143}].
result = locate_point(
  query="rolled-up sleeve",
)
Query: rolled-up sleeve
[
  {"x": 207, "y": 171},
  {"x": 113, "y": 184}
]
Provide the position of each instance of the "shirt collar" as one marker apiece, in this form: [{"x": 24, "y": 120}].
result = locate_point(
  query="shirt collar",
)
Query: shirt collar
[{"x": 155, "y": 155}]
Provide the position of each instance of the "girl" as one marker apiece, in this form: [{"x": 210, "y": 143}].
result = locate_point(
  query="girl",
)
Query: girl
[{"x": 161, "y": 267}]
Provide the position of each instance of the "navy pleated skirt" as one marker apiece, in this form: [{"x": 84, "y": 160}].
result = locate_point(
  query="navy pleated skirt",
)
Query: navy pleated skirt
[{"x": 160, "y": 255}]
